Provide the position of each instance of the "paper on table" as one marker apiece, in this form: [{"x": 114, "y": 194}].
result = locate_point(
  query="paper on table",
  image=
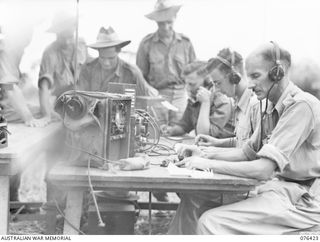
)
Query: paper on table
[{"x": 177, "y": 171}]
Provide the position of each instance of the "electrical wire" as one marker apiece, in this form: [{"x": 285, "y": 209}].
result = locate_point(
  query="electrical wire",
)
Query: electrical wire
[
  {"x": 65, "y": 219},
  {"x": 262, "y": 115},
  {"x": 155, "y": 127},
  {"x": 101, "y": 223},
  {"x": 94, "y": 155}
]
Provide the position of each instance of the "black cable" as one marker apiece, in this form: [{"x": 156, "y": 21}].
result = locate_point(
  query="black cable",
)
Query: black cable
[
  {"x": 90, "y": 153},
  {"x": 262, "y": 115}
]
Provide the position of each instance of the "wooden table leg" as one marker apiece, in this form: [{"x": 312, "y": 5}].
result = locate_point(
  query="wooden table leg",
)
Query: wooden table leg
[
  {"x": 73, "y": 212},
  {"x": 150, "y": 223},
  {"x": 4, "y": 203}
]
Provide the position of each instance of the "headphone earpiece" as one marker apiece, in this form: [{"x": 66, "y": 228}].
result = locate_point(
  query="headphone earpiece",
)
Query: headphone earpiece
[
  {"x": 234, "y": 76},
  {"x": 276, "y": 73},
  {"x": 208, "y": 83}
]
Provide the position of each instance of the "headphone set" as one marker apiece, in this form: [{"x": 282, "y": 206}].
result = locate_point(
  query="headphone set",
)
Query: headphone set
[
  {"x": 276, "y": 73},
  {"x": 234, "y": 76}
]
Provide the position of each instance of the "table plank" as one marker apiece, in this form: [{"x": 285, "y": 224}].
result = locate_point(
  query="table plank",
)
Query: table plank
[
  {"x": 25, "y": 143},
  {"x": 4, "y": 203},
  {"x": 155, "y": 178},
  {"x": 23, "y": 139}
]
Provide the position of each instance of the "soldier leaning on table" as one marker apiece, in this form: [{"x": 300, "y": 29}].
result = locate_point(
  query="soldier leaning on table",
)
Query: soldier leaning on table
[{"x": 284, "y": 153}]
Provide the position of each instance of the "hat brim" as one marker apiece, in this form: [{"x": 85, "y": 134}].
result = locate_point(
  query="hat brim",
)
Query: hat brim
[
  {"x": 165, "y": 14},
  {"x": 100, "y": 45}
]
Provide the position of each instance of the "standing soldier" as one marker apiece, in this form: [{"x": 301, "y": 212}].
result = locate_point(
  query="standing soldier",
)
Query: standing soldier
[{"x": 161, "y": 58}]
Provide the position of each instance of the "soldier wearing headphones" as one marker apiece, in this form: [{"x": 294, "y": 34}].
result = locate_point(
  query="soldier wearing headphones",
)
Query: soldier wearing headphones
[
  {"x": 208, "y": 112},
  {"x": 227, "y": 73},
  {"x": 228, "y": 77},
  {"x": 287, "y": 159}
]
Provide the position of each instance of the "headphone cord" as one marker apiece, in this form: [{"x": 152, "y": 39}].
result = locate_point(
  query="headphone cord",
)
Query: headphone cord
[{"x": 262, "y": 115}]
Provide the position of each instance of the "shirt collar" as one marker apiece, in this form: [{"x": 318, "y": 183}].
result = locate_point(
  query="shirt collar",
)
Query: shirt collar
[
  {"x": 176, "y": 36},
  {"x": 280, "y": 106},
  {"x": 244, "y": 100}
]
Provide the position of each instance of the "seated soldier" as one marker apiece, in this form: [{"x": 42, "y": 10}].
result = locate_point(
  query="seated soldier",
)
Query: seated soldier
[
  {"x": 285, "y": 152},
  {"x": 227, "y": 73},
  {"x": 207, "y": 112},
  {"x": 108, "y": 67}
]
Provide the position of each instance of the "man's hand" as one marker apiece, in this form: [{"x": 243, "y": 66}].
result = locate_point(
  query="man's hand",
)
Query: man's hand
[
  {"x": 203, "y": 95},
  {"x": 165, "y": 130},
  {"x": 42, "y": 122},
  {"x": 195, "y": 163},
  {"x": 184, "y": 150},
  {"x": 205, "y": 140}
]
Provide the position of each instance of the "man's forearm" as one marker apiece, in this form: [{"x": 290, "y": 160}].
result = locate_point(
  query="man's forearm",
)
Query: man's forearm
[
  {"x": 261, "y": 169},
  {"x": 44, "y": 99},
  {"x": 203, "y": 124},
  {"x": 228, "y": 154}
]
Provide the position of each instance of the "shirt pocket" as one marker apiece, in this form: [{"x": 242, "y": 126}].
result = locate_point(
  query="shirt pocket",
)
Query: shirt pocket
[
  {"x": 242, "y": 133},
  {"x": 156, "y": 64},
  {"x": 179, "y": 62}
]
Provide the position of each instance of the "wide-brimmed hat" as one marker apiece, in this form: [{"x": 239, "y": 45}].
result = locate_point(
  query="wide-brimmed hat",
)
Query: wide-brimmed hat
[
  {"x": 108, "y": 38},
  {"x": 164, "y": 10},
  {"x": 62, "y": 21}
]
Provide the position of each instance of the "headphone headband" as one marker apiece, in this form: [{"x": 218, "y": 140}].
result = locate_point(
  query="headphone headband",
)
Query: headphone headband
[
  {"x": 277, "y": 52},
  {"x": 276, "y": 73},
  {"x": 235, "y": 76},
  {"x": 224, "y": 61}
]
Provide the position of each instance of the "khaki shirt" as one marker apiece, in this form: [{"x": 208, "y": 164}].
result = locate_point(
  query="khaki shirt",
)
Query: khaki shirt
[
  {"x": 9, "y": 72},
  {"x": 292, "y": 135},
  {"x": 247, "y": 117},
  {"x": 93, "y": 77},
  {"x": 57, "y": 66},
  {"x": 161, "y": 64},
  {"x": 221, "y": 118}
]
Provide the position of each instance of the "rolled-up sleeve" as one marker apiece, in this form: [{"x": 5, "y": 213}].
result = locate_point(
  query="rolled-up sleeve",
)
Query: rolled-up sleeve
[
  {"x": 47, "y": 67},
  {"x": 293, "y": 128},
  {"x": 252, "y": 146}
]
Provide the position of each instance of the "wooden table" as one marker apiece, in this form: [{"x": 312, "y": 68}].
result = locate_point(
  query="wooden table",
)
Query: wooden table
[
  {"x": 25, "y": 143},
  {"x": 75, "y": 181}
]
